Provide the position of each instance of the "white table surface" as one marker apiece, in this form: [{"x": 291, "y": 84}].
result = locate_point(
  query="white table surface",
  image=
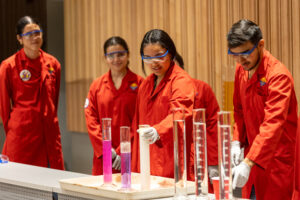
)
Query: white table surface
[{"x": 44, "y": 179}]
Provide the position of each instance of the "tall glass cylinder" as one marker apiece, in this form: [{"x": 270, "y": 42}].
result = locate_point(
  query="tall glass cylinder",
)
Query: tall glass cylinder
[
  {"x": 224, "y": 138},
  {"x": 179, "y": 153},
  {"x": 144, "y": 159},
  {"x": 125, "y": 157},
  {"x": 106, "y": 145},
  {"x": 200, "y": 156}
]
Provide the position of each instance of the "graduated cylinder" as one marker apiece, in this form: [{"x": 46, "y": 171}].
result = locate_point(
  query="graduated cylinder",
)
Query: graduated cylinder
[
  {"x": 224, "y": 138},
  {"x": 200, "y": 155},
  {"x": 179, "y": 153}
]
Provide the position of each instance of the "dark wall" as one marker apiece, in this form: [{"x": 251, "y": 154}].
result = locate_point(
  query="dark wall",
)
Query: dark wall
[{"x": 10, "y": 12}]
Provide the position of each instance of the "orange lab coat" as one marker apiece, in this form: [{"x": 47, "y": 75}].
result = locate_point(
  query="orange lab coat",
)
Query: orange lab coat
[
  {"x": 296, "y": 194},
  {"x": 29, "y": 109},
  {"x": 105, "y": 101},
  {"x": 205, "y": 98},
  {"x": 154, "y": 107},
  {"x": 265, "y": 112}
]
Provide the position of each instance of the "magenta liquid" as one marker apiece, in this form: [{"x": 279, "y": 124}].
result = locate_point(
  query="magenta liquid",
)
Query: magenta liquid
[
  {"x": 126, "y": 169},
  {"x": 107, "y": 168}
]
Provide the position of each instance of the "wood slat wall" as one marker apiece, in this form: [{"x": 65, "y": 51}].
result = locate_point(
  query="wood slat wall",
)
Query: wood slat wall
[{"x": 198, "y": 28}]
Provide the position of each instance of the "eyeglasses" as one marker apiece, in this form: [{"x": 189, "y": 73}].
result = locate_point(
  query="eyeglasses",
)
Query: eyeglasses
[
  {"x": 160, "y": 58},
  {"x": 118, "y": 54},
  {"x": 244, "y": 55},
  {"x": 30, "y": 34}
]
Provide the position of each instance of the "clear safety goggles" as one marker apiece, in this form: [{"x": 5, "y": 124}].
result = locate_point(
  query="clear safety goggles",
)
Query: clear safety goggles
[
  {"x": 244, "y": 55},
  {"x": 31, "y": 34},
  {"x": 160, "y": 58},
  {"x": 117, "y": 54}
]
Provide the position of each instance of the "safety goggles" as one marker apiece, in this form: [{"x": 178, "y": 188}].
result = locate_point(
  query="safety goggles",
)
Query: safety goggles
[
  {"x": 117, "y": 54},
  {"x": 160, "y": 58},
  {"x": 244, "y": 55},
  {"x": 31, "y": 34}
]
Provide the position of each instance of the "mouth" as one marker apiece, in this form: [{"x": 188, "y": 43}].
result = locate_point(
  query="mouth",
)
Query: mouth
[{"x": 156, "y": 69}]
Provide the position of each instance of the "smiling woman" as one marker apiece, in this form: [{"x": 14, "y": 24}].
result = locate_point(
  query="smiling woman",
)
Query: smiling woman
[
  {"x": 112, "y": 95},
  {"x": 168, "y": 87},
  {"x": 29, "y": 88}
]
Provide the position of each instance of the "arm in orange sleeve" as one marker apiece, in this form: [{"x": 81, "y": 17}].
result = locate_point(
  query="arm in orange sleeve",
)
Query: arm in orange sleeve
[
  {"x": 211, "y": 117},
  {"x": 239, "y": 129},
  {"x": 276, "y": 109},
  {"x": 5, "y": 94},
  {"x": 182, "y": 95},
  {"x": 58, "y": 77},
  {"x": 93, "y": 122}
]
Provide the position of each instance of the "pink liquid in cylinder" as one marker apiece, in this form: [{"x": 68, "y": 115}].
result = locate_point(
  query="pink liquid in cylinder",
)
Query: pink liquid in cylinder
[
  {"x": 126, "y": 169},
  {"x": 107, "y": 168}
]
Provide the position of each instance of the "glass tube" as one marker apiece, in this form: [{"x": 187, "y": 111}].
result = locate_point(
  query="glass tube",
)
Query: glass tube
[
  {"x": 179, "y": 154},
  {"x": 144, "y": 159},
  {"x": 200, "y": 154},
  {"x": 125, "y": 157},
  {"x": 224, "y": 138},
  {"x": 106, "y": 145}
]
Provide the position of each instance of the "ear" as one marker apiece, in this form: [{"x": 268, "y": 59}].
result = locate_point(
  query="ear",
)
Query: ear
[
  {"x": 261, "y": 44},
  {"x": 20, "y": 39}
]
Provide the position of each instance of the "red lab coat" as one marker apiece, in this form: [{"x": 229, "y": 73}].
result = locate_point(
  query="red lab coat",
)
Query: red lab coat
[
  {"x": 265, "y": 112},
  {"x": 105, "y": 101},
  {"x": 296, "y": 194},
  {"x": 154, "y": 107},
  {"x": 29, "y": 110},
  {"x": 205, "y": 98}
]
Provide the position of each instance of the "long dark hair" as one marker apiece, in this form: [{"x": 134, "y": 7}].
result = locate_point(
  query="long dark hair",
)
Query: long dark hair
[{"x": 161, "y": 37}]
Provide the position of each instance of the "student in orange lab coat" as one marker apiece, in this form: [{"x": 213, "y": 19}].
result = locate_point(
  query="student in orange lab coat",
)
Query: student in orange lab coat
[
  {"x": 112, "y": 95},
  {"x": 166, "y": 88},
  {"x": 265, "y": 113},
  {"x": 29, "y": 89},
  {"x": 205, "y": 98},
  {"x": 296, "y": 194}
]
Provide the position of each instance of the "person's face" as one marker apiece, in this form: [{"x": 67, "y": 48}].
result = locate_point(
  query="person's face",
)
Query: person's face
[
  {"x": 243, "y": 55},
  {"x": 158, "y": 65},
  {"x": 32, "y": 38},
  {"x": 116, "y": 57}
]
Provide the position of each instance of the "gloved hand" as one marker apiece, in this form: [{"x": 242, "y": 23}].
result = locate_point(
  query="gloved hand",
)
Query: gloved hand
[
  {"x": 235, "y": 153},
  {"x": 116, "y": 160},
  {"x": 150, "y": 134},
  {"x": 213, "y": 171},
  {"x": 240, "y": 175}
]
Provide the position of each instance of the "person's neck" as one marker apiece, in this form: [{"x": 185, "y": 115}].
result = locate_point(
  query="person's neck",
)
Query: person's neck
[
  {"x": 32, "y": 54},
  {"x": 253, "y": 69},
  {"x": 118, "y": 74}
]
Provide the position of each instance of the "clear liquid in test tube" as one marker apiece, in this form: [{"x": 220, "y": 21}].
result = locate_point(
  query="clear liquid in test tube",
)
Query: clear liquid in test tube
[
  {"x": 200, "y": 155},
  {"x": 224, "y": 139},
  {"x": 179, "y": 138}
]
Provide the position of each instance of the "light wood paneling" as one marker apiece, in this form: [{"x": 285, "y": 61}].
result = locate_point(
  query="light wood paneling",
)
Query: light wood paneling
[{"x": 198, "y": 28}]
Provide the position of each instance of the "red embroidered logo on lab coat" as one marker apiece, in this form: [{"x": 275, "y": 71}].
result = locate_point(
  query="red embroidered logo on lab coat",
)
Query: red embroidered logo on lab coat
[
  {"x": 25, "y": 75},
  {"x": 133, "y": 86}
]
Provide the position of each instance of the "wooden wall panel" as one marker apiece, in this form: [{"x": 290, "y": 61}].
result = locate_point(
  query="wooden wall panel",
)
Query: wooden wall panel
[{"x": 198, "y": 28}]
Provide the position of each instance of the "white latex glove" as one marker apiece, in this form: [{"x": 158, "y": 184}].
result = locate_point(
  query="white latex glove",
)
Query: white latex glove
[
  {"x": 150, "y": 134},
  {"x": 235, "y": 153},
  {"x": 213, "y": 171},
  {"x": 240, "y": 175},
  {"x": 116, "y": 160}
]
